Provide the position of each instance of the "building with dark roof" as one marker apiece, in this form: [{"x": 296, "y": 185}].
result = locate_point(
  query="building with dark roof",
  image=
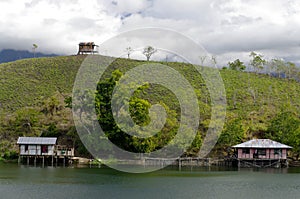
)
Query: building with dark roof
[{"x": 87, "y": 48}]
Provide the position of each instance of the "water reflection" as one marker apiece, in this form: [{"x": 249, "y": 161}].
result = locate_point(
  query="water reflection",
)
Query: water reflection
[{"x": 190, "y": 182}]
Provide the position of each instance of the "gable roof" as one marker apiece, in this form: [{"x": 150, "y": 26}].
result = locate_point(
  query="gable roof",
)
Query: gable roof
[
  {"x": 87, "y": 44},
  {"x": 37, "y": 140},
  {"x": 262, "y": 143}
]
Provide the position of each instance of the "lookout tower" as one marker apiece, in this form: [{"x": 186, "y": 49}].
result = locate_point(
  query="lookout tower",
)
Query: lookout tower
[{"x": 87, "y": 48}]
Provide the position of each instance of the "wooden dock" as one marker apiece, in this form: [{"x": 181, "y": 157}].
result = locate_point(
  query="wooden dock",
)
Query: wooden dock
[{"x": 187, "y": 161}]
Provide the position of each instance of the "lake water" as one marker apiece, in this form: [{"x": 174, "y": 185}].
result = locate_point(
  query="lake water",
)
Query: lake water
[{"x": 36, "y": 182}]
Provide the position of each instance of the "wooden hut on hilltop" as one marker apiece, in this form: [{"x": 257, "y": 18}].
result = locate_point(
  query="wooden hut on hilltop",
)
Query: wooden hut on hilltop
[
  {"x": 87, "y": 48},
  {"x": 261, "y": 153}
]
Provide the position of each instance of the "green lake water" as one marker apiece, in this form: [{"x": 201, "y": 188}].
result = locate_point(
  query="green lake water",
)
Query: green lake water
[{"x": 20, "y": 182}]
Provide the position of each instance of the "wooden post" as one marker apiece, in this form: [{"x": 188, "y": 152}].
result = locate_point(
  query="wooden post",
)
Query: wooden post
[
  {"x": 179, "y": 164},
  {"x": 43, "y": 161},
  {"x": 27, "y": 160},
  {"x": 35, "y": 161},
  {"x": 52, "y": 161}
]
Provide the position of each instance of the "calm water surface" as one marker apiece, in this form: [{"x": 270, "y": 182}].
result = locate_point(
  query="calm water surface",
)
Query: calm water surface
[{"x": 35, "y": 182}]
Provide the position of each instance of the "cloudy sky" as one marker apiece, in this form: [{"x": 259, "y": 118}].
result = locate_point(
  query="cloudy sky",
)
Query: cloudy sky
[{"x": 228, "y": 29}]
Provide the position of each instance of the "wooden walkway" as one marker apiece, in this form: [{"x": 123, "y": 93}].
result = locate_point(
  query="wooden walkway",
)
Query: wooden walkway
[{"x": 189, "y": 161}]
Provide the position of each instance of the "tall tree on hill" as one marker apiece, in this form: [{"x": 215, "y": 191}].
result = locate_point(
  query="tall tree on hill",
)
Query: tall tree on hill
[
  {"x": 202, "y": 59},
  {"x": 236, "y": 65},
  {"x": 149, "y": 51},
  {"x": 277, "y": 66},
  {"x": 128, "y": 51},
  {"x": 291, "y": 70},
  {"x": 34, "y": 47},
  {"x": 257, "y": 62},
  {"x": 214, "y": 60}
]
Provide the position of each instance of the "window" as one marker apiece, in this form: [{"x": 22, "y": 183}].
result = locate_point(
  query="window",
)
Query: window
[
  {"x": 44, "y": 149},
  {"x": 246, "y": 151},
  {"x": 261, "y": 151},
  {"x": 26, "y": 148},
  {"x": 277, "y": 151}
]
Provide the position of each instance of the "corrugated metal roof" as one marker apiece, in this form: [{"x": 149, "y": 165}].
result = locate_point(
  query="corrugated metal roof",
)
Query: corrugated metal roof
[
  {"x": 37, "y": 140},
  {"x": 262, "y": 143}
]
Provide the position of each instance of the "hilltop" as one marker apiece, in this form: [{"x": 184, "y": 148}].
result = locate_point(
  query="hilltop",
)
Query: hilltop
[{"x": 32, "y": 94}]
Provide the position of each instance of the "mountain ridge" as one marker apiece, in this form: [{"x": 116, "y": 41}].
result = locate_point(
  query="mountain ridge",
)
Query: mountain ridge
[{"x": 9, "y": 55}]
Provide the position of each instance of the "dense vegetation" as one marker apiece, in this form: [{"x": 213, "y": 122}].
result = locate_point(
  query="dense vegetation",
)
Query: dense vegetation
[{"x": 33, "y": 94}]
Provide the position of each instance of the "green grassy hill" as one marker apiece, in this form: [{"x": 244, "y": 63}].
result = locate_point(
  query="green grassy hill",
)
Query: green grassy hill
[
  {"x": 32, "y": 93},
  {"x": 26, "y": 81}
]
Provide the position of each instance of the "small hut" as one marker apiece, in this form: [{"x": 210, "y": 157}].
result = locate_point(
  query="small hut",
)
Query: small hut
[
  {"x": 261, "y": 153},
  {"x": 87, "y": 48},
  {"x": 37, "y": 145},
  {"x": 43, "y": 148}
]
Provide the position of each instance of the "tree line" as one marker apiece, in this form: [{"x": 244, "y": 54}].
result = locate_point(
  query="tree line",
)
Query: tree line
[{"x": 275, "y": 67}]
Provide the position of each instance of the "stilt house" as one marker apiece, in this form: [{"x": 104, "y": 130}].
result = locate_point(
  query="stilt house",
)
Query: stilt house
[
  {"x": 87, "y": 48},
  {"x": 43, "y": 148},
  {"x": 260, "y": 152}
]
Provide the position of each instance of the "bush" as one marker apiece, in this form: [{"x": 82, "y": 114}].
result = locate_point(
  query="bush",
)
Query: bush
[{"x": 10, "y": 155}]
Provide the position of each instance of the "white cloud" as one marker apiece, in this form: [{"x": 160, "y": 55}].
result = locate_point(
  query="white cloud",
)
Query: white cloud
[
  {"x": 56, "y": 26},
  {"x": 226, "y": 28}
]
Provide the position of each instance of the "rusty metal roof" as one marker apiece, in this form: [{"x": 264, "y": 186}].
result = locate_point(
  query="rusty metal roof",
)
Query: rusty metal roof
[
  {"x": 262, "y": 143},
  {"x": 87, "y": 44},
  {"x": 37, "y": 140}
]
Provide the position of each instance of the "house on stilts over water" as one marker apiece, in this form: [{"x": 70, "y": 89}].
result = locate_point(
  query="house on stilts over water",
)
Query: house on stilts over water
[
  {"x": 261, "y": 153},
  {"x": 43, "y": 150}
]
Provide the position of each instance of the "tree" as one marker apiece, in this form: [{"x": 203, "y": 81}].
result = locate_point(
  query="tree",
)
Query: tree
[
  {"x": 149, "y": 51},
  {"x": 34, "y": 48},
  {"x": 277, "y": 65},
  {"x": 139, "y": 110},
  {"x": 214, "y": 60},
  {"x": 285, "y": 128},
  {"x": 233, "y": 133},
  {"x": 237, "y": 65},
  {"x": 257, "y": 62},
  {"x": 128, "y": 51},
  {"x": 202, "y": 59},
  {"x": 291, "y": 70},
  {"x": 25, "y": 121}
]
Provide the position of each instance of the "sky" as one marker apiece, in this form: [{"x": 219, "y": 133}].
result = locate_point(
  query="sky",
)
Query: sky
[{"x": 227, "y": 29}]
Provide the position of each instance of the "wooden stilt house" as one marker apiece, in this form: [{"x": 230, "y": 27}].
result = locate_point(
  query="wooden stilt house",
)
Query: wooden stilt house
[
  {"x": 43, "y": 148},
  {"x": 261, "y": 153},
  {"x": 87, "y": 48}
]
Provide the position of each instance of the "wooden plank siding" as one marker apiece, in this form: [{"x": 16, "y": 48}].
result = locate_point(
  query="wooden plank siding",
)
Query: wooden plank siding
[{"x": 269, "y": 154}]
